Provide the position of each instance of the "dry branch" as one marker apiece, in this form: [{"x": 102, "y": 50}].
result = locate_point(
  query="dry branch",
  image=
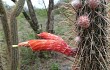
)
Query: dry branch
[
  {"x": 33, "y": 21},
  {"x": 14, "y": 32},
  {"x": 50, "y": 20},
  {"x": 6, "y": 44}
]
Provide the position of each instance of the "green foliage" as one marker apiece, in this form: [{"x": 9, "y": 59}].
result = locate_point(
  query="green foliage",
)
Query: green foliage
[
  {"x": 61, "y": 29},
  {"x": 27, "y": 55},
  {"x": 41, "y": 12},
  {"x": 64, "y": 1},
  {"x": 20, "y": 16},
  {"x": 31, "y": 36},
  {"x": 46, "y": 54},
  {"x": 58, "y": 11},
  {"x": 54, "y": 66}
]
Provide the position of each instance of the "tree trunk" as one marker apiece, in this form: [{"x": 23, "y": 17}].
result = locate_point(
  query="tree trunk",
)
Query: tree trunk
[
  {"x": 14, "y": 32},
  {"x": 5, "y": 58},
  {"x": 50, "y": 21},
  {"x": 1, "y": 68},
  {"x": 93, "y": 45},
  {"x": 5, "y": 44},
  {"x": 6, "y": 28}
]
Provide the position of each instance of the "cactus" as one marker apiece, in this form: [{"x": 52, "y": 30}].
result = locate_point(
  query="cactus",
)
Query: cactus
[{"x": 91, "y": 26}]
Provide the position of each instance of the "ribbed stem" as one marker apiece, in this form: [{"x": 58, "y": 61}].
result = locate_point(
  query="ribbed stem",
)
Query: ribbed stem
[{"x": 93, "y": 39}]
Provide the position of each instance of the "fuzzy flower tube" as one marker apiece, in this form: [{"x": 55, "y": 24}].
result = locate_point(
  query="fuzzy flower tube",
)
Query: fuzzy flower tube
[{"x": 50, "y": 42}]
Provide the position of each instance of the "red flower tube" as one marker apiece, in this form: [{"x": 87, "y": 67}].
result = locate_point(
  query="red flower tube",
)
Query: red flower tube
[
  {"x": 50, "y": 45},
  {"x": 50, "y": 42},
  {"x": 49, "y": 36},
  {"x": 46, "y": 35}
]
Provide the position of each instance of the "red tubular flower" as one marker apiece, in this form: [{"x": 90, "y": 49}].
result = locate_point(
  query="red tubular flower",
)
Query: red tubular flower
[
  {"x": 49, "y": 36},
  {"x": 46, "y": 35},
  {"x": 49, "y": 45},
  {"x": 50, "y": 42}
]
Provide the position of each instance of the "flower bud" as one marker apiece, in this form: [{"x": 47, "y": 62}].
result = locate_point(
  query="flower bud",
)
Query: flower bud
[
  {"x": 83, "y": 21},
  {"x": 77, "y": 39},
  {"x": 76, "y": 4},
  {"x": 93, "y": 3}
]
